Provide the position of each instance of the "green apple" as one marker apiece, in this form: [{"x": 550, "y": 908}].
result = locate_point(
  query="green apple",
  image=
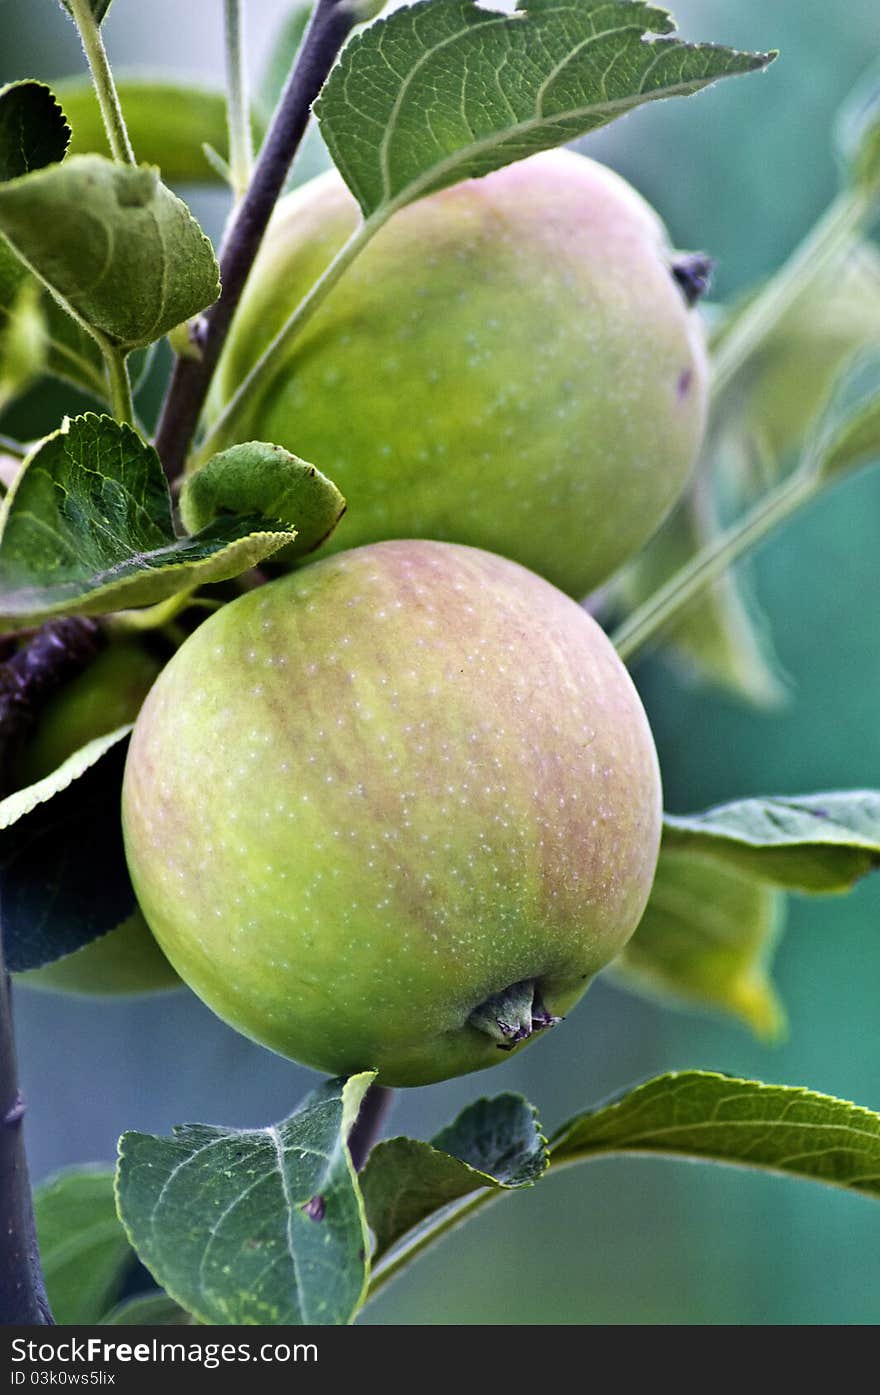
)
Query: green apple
[
  {"x": 510, "y": 363},
  {"x": 394, "y": 810},
  {"x": 105, "y": 696}
]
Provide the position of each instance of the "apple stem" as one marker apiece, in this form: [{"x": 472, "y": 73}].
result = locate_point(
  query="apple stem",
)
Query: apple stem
[
  {"x": 513, "y": 1015},
  {"x": 329, "y": 26},
  {"x": 374, "y": 1110}
]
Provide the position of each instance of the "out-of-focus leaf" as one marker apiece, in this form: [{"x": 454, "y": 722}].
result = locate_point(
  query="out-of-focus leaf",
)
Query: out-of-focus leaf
[
  {"x": 71, "y": 353},
  {"x": 63, "y": 876},
  {"x": 814, "y": 843},
  {"x": 706, "y": 941},
  {"x": 169, "y": 123},
  {"x": 148, "y": 1310},
  {"x": 858, "y": 133},
  {"x": 84, "y": 1250}
]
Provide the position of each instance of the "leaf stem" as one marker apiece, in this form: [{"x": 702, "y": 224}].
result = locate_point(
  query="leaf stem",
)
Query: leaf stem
[
  {"x": 102, "y": 77},
  {"x": 10, "y": 446},
  {"x": 826, "y": 239},
  {"x": 687, "y": 583},
  {"x": 241, "y": 152},
  {"x": 268, "y": 360},
  {"x": 328, "y": 28},
  {"x": 119, "y": 382},
  {"x": 445, "y": 1221}
]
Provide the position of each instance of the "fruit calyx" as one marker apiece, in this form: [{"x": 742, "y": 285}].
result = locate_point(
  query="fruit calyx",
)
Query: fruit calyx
[
  {"x": 693, "y": 275},
  {"x": 513, "y": 1015}
]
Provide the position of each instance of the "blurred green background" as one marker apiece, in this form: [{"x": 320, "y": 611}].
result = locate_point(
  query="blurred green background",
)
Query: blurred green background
[{"x": 741, "y": 171}]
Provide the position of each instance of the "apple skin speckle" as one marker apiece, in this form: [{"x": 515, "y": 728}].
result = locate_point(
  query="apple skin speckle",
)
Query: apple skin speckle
[
  {"x": 414, "y": 813},
  {"x": 507, "y": 358}
]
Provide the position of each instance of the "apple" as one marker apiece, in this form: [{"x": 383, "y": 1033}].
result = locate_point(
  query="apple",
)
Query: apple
[
  {"x": 105, "y": 696},
  {"x": 393, "y": 810},
  {"x": 512, "y": 363}
]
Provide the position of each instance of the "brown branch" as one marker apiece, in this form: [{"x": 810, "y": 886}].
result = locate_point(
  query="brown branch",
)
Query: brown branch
[{"x": 330, "y": 24}]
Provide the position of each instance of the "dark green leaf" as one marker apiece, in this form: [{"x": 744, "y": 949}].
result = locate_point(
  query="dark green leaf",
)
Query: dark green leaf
[
  {"x": 148, "y": 1310},
  {"x": 706, "y": 940},
  {"x": 33, "y": 131},
  {"x": 84, "y": 1250},
  {"x": 268, "y": 482},
  {"x": 448, "y": 90},
  {"x": 87, "y": 529},
  {"x": 63, "y": 875},
  {"x": 114, "y": 243},
  {"x": 812, "y": 843},
  {"x": 494, "y": 1143},
  {"x": 715, "y": 1118},
  {"x": 253, "y": 1225},
  {"x": 72, "y": 353},
  {"x": 169, "y": 124}
]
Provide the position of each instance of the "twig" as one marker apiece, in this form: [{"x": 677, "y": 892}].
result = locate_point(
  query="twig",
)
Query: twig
[
  {"x": 328, "y": 28},
  {"x": 368, "y": 1125},
  {"x": 22, "y": 1291},
  {"x": 56, "y": 653}
]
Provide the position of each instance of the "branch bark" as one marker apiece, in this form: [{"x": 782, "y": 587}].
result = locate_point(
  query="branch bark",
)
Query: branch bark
[
  {"x": 22, "y": 1293},
  {"x": 28, "y": 678},
  {"x": 56, "y": 653},
  {"x": 331, "y": 22}
]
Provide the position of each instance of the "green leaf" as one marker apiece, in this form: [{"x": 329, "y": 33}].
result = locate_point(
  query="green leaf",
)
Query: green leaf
[
  {"x": 448, "y": 90},
  {"x": 63, "y": 876},
  {"x": 148, "y": 1310},
  {"x": 706, "y": 940},
  {"x": 87, "y": 528},
  {"x": 84, "y": 1250},
  {"x": 23, "y": 343},
  {"x": 848, "y": 436},
  {"x": 766, "y": 420},
  {"x": 268, "y": 482},
  {"x": 494, "y": 1143},
  {"x": 169, "y": 123},
  {"x": 24, "y": 801},
  {"x": 253, "y": 1225},
  {"x": 71, "y": 353},
  {"x": 33, "y": 131},
  {"x": 99, "y": 8},
  {"x": 715, "y": 1118},
  {"x": 722, "y": 636},
  {"x": 812, "y": 843},
  {"x": 858, "y": 133},
  {"x": 118, "y": 248},
  {"x": 782, "y": 392}
]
